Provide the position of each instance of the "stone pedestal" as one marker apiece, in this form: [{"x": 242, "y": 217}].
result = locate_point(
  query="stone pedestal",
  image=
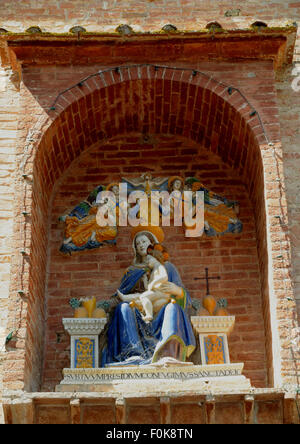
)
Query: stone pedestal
[
  {"x": 166, "y": 375},
  {"x": 84, "y": 333},
  {"x": 213, "y": 331},
  {"x": 155, "y": 379}
]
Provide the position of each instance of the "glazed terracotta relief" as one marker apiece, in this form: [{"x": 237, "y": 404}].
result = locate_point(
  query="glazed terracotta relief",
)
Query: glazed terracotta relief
[
  {"x": 149, "y": 315},
  {"x": 82, "y": 232}
]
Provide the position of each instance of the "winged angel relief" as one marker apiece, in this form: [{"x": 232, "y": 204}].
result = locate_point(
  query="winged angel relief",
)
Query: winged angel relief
[{"x": 82, "y": 232}]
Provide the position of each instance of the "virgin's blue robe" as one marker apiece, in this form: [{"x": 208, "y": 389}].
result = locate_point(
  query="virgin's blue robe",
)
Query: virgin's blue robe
[{"x": 130, "y": 341}]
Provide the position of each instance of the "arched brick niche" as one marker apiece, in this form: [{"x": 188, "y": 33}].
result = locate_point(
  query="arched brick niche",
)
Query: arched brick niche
[
  {"x": 146, "y": 100},
  {"x": 98, "y": 272}
]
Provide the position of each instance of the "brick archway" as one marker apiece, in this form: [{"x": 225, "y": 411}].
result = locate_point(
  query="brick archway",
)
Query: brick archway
[{"x": 149, "y": 100}]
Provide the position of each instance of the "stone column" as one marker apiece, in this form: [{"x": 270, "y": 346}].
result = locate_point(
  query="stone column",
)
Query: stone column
[
  {"x": 84, "y": 334},
  {"x": 213, "y": 331}
]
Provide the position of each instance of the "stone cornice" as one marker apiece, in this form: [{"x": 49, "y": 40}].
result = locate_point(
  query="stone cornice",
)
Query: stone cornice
[
  {"x": 213, "y": 324},
  {"x": 276, "y": 44},
  {"x": 84, "y": 326}
]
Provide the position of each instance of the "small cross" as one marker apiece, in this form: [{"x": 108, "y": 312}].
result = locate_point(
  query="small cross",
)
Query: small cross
[{"x": 207, "y": 280}]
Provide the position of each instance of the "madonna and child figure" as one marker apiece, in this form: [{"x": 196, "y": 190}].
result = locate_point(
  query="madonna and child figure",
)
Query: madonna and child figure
[
  {"x": 153, "y": 284},
  {"x": 153, "y": 296}
]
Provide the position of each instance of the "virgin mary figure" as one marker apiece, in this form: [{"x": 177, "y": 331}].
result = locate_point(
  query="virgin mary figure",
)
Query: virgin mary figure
[{"x": 130, "y": 340}]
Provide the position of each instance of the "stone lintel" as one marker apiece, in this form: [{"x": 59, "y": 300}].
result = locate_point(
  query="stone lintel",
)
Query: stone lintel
[{"x": 276, "y": 44}]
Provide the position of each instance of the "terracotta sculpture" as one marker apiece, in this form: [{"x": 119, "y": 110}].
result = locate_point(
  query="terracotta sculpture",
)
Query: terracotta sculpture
[{"x": 131, "y": 340}]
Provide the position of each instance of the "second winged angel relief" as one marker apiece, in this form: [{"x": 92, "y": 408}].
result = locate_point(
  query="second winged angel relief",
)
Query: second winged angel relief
[{"x": 83, "y": 232}]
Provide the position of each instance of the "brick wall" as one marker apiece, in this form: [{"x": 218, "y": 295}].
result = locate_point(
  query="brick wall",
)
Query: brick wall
[
  {"x": 25, "y": 318},
  {"x": 8, "y": 132},
  {"x": 61, "y": 15},
  {"x": 289, "y": 113}
]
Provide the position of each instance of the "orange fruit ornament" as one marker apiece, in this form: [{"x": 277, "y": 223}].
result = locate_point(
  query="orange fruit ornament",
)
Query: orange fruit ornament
[
  {"x": 221, "y": 312},
  {"x": 222, "y": 308},
  {"x": 80, "y": 312},
  {"x": 209, "y": 303},
  {"x": 99, "y": 313}
]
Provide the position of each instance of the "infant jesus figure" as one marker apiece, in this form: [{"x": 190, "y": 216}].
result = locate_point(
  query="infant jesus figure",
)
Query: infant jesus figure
[{"x": 153, "y": 297}]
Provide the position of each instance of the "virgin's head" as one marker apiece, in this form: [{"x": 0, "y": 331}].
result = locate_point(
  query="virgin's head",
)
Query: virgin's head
[
  {"x": 142, "y": 244},
  {"x": 146, "y": 244},
  {"x": 145, "y": 240}
]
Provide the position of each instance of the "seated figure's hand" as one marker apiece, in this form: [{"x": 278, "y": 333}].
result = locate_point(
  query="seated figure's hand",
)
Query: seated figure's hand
[{"x": 172, "y": 289}]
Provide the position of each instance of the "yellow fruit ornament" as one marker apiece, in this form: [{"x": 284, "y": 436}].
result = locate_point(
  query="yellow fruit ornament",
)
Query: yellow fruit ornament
[{"x": 209, "y": 303}]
